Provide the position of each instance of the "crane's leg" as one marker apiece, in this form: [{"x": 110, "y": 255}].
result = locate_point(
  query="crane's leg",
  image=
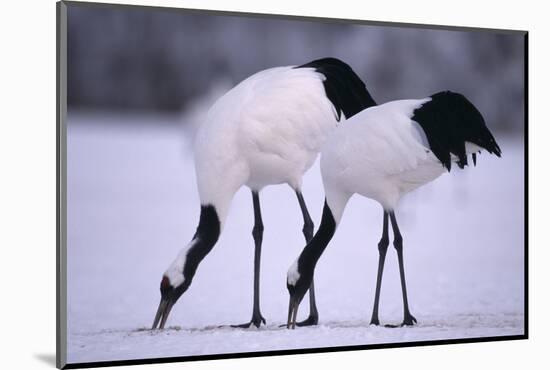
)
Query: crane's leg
[
  {"x": 382, "y": 250},
  {"x": 398, "y": 244},
  {"x": 257, "y": 234},
  {"x": 313, "y": 318}
]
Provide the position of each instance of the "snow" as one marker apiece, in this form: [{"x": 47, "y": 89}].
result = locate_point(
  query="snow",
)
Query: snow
[{"x": 133, "y": 204}]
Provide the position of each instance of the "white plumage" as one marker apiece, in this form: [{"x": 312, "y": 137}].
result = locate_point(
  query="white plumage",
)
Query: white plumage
[
  {"x": 379, "y": 153},
  {"x": 267, "y": 130},
  {"x": 293, "y": 274},
  {"x": 383, "y": 153}
]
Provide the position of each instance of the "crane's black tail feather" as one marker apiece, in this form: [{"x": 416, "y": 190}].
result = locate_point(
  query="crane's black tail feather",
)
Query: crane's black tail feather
[{"x": 449, "y": 121}]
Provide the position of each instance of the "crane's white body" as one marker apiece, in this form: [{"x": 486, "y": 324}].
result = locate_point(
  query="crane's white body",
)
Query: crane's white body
[
  {"x": 380, "y": 153},
  {"x": 266, "y": 130}
]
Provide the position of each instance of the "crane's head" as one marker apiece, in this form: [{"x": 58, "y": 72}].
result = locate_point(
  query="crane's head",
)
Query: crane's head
[
  {"x": 298, "y": 280},
  {"x": 175, "y": 281},
  {"x": 178, "y": 277},
  {"x": 171, "y": 290}
]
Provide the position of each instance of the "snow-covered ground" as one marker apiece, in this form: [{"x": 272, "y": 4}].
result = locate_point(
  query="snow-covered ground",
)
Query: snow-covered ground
[{"x": 132, "y": 204}]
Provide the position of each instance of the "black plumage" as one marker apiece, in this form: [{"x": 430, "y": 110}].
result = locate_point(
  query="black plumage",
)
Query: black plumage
[
  {"x": 343, "y": 87},
  {"x": 449, "y": 120}
]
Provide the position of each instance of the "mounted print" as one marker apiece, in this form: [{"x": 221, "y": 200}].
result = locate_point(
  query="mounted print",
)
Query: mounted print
[{"x": 235, "y": 184}]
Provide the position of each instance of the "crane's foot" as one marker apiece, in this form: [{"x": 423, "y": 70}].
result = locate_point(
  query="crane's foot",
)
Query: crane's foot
[
  {"x": 409, "y": 320},
  {"x": 257, "y": 320},
  {"x": 374, "y": 321},
  {"x": 312, "y": 320}
]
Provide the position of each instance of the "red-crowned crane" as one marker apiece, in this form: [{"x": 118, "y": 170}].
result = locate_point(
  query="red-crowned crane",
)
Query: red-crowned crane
[
  {"x": 266, "y": 130},
  {"x": 383, "y": 153}
]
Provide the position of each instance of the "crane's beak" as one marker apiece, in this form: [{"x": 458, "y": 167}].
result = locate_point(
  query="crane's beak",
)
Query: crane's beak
[
  {"x": 165, "y": 306},
  {"x": 293, "y": 305}
]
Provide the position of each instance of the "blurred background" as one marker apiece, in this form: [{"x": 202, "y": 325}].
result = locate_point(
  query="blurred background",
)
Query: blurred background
[
  {"x": 139, "y": 82},
  {"x": 138, "y": 59}
]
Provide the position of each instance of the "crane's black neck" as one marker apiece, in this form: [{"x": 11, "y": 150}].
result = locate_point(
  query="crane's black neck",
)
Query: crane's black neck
[
  {"x": 315, "y": 248},
  {"x": 343, "y": 87},
  {"x": 205, "y": 238}
]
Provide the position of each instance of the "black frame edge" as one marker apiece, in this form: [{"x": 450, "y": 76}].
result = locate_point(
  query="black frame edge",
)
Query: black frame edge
[
  {"x": 61, "y": 111},
  {"x": 526, "y": 181}
]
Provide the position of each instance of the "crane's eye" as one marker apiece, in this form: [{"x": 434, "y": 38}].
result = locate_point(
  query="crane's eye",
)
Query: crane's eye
[
  {"x": 165, "y": 285},
  {"x": 291, "y": 288}
]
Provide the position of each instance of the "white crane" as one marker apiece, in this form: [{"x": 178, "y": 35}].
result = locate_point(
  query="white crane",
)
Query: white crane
[
  {"x": 383, "y": 153},
  {"x": 266, "y": 130}
]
